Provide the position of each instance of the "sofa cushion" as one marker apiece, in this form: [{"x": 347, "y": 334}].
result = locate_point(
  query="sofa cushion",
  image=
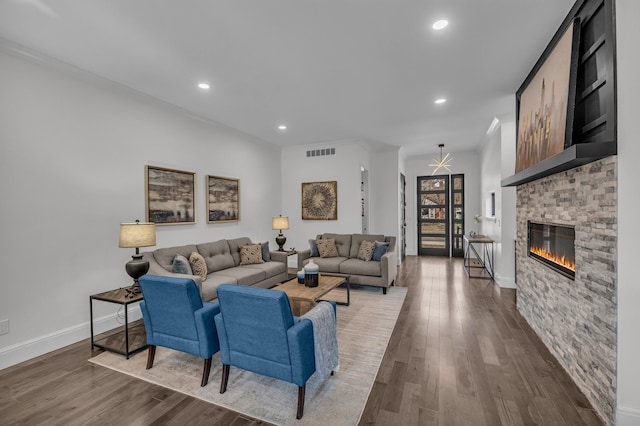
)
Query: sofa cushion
[
  {"x": 251, "y": 254},
  {"x": 360, "y": 267},
  {"x": 165, "y": 256},
  {"x": 327, "y": 248},
  {"x": 327, "y": 264},
  {"x": 366, "y": 250},
  {"x": 357, "y": 239},
  {"x": 381, "y": 249},
  {"x": 217, "y": 255},
  {"x": 209, "y": 287},
  {"x": 234, "y": 247},
  {"x": 343, "y": 243},
  {"x": 198, "y": 265},
  {"x": 245, "y": 275},
  {"x": 271, "y": 269},
  {"x": 181, "y": 265}
]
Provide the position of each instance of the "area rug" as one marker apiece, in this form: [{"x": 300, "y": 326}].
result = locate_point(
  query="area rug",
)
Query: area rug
[{"x": 364, "y": 330}]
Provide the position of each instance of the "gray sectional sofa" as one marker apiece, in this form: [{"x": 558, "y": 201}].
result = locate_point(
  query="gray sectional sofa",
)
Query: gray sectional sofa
[
  {"x": 374, "y": 273},
  {"x": 223, "y": 265}
]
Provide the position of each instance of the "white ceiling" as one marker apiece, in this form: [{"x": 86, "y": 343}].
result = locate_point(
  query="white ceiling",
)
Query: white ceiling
[{"x": 331, "y": 70}]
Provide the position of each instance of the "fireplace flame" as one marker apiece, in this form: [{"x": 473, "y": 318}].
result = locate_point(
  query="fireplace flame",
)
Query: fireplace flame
[{"x": 571, "y": 265}]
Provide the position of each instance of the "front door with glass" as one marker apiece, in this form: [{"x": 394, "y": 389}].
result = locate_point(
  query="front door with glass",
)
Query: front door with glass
[{"x": 433, "y": 215}]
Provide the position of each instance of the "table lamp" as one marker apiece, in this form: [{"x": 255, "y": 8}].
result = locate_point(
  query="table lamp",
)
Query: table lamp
[
  {"x": 280, "y": 223},
  {"x": 136, "y": 235}
]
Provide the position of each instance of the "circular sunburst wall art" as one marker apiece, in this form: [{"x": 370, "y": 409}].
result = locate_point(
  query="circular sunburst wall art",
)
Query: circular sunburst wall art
[{"x": 320, "y": 200}]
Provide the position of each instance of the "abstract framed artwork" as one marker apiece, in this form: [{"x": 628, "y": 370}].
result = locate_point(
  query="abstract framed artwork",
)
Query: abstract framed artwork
[
  {"x": 320, "y": 200},
  {"x": 170, "y": 196},
  {"x": 546, "y": 101},
  {"x": 223, "y": 199}
]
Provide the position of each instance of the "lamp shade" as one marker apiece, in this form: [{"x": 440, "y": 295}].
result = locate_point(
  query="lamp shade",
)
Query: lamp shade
[
  {"x": 280, "y": 222},
  {"x": 134, "y": 235}
]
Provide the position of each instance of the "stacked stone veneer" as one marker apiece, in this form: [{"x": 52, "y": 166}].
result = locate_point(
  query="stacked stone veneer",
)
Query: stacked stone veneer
[{"x": 576, "y": 320}]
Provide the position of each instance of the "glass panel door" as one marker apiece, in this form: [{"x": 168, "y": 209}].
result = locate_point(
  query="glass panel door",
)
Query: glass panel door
[
  {"x": 457, "y": 215},
  {"x": 433, "y": 215}
]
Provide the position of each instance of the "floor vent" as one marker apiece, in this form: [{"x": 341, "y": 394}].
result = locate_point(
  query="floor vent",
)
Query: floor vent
[{"x": 321, "y": 152}]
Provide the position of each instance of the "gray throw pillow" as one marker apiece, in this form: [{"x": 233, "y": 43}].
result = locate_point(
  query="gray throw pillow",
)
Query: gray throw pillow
[
  {"x": 381, "y": 249},
  {"x": 265, "y": 251},
  {"x": 314, "y": 248},
  {"x": 181, "y": 265}
]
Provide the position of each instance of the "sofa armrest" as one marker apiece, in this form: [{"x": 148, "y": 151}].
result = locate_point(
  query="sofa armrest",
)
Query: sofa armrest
[
  {"x": 156, "y": 269},
  {"x": 279, "y": 256},
  {"x": 302, "y": 256},
  {"x": 389, "y": 267}
]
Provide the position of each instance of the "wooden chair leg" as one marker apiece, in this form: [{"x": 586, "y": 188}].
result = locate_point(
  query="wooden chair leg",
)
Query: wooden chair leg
[
  {"x": 225, "y": 378},
  {"x": 150, "y": 356},
  {"x": 206, "y": 371},
  {"x": 300, "y": 402},
  {"x": 384, "y": 290}
]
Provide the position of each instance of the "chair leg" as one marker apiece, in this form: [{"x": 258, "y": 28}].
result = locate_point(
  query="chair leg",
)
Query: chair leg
[
  {"x": 300, "y": 402},
  {"x": 225, "y": 377},
  {"x": 384, "y": 290},
  {"x": 206, "y": 371},
  {"x": 150, "y": 356}
]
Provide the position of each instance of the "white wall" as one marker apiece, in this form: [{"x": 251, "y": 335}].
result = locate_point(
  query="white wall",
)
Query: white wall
[
  {"x": 385, "y": 194},
  {"x": 72, "y": 157},
  {"x": 497, "y": 150},
  {"x": 467, "y": 162},
  {"x": 628, "y": 374},
  {"x": 344, "y": 167}
]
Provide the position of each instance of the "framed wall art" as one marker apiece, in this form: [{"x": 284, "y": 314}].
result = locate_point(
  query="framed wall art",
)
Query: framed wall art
[
  {"x": 223, "y": 199},
  {"x": 320, "y": 200},
  {"x": 170, "y": 196},
  {"x": 546, "y": 102}
]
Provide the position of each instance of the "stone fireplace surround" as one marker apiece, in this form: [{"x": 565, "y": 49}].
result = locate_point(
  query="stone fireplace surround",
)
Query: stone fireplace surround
[{"x": 576, "y": 320}]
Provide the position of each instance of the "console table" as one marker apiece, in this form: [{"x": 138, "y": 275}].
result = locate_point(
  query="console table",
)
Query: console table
[
  {"x": 117, "y": 341},
  {"x": 478, "y": 255}
]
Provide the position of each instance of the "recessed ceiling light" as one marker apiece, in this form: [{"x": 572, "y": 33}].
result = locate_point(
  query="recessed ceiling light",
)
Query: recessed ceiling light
[
  {"x": 440, "y": 101},
  {"x": 203, "y": 86},
  {"x": 439, "y": 25},
  {"x": 282, "y": 127}
]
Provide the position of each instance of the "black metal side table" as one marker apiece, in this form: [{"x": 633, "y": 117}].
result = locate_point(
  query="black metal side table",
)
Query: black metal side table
[{"x": 114, "y": 342}]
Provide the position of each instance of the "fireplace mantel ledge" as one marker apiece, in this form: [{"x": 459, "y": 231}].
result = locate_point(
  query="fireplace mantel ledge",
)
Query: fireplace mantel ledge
[{"x": 574, "y": 156}]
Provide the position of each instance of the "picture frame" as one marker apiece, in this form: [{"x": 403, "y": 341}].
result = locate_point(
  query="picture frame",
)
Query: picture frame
[
  {"x": 223, "y": 199},
  {"x": 170, "y": 196},
  {"x": 320, "y": 200},
  {"x": 546, "y": 101}
]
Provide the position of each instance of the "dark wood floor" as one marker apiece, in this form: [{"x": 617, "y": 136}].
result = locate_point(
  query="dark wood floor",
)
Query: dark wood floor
[{"x": 460, "y": 355}]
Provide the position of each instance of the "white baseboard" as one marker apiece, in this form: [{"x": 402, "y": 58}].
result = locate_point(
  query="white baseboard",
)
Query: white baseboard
[
  {"x": 627, "y": 416},
  {"x": 24, "y": 351},
  {"x": 506, "y": 282}
]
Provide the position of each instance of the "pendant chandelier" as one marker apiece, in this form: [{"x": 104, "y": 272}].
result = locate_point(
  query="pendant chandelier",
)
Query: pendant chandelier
[{"x": 444, "y": 163}]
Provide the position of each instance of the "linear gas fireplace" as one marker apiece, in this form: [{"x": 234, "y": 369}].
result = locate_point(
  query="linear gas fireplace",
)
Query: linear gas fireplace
[{"x": 553, "y": 245}]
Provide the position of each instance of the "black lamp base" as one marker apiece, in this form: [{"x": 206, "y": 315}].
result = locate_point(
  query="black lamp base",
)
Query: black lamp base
[
  {"x": 136, "y": 268},
  {"x": 280, "y": 240}
]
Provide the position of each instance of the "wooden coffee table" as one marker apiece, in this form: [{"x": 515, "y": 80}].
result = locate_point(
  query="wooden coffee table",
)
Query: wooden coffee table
[{"x": 303, "y": 299}]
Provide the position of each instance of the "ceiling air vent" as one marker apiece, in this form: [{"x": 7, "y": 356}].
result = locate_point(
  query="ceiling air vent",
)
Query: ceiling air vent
[{"x": 321, "y": 152}]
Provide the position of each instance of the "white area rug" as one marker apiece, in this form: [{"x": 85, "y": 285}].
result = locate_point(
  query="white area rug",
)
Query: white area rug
[{"x": 364, "y": 330}]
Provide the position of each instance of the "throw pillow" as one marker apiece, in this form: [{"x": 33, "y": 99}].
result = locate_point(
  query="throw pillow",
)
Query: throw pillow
[
  {"x": 327, "y": 248},
  {"x": 198, "y": 265},
  {"x": 366, "y": 250},
  {"x": 313, "y": 247},
  {"x": 265, "y": 251},
  {"x": 181, "y": 265},
  {"x": 381, "y": 249},
  {"x": 250, "y": 255}
]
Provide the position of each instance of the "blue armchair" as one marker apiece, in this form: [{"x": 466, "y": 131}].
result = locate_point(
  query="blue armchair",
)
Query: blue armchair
[
  {"x": 258, "y": 333},
  {"x": 175, "y": 317}
]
